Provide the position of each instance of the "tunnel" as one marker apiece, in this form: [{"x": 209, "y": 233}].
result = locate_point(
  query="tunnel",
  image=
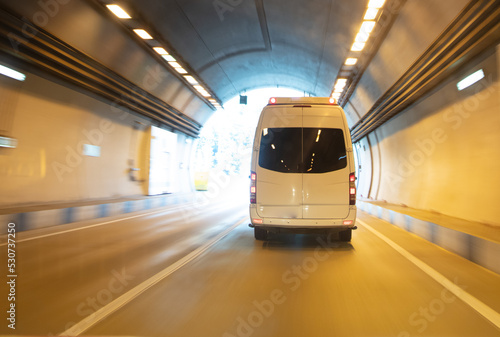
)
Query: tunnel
[{"x": 108, "y": 227}]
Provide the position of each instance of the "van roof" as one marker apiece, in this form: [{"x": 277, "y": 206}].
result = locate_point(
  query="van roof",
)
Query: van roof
[{"x": 302, "y": 100}]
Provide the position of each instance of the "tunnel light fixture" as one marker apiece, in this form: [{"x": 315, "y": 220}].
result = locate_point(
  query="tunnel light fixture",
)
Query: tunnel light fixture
[
  {"x": 181, "y": 70},
  {"x": 367, "y": 27},
  {"x": 143, "y": 34},
  {"x": 160, "y": 50},
  {"x": 357, "y": 46},
  {"x": 351, "y": 61},
  {"x": 362, "y": 37},
  {"x": 370, "y": 14},
  {"x": 118, "y": 11},
  {"x": 470, "y": 80},
  {"x": 174, "y": 64},
  {"x": 12, "y": 73},
  {"x": 368, "y": 24},
  {"x": 8, "y": 142},
  {"x": 202, "y": 90},
  {"x": 376, "y": 3},
  {"x": 191, "y": 79},
  {"x": 169, "y": 58},
  {"x": 341, "y": 83}
]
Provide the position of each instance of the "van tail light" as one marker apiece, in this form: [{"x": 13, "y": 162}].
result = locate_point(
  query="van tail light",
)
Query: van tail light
[
  {"x": 352, "y": 189},
  {"x": 253, "y": 187}
]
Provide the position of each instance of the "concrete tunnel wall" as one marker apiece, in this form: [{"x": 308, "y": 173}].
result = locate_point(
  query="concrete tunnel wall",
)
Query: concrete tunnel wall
[
  {"x": 52, "y": 119},
  {"x": 52, "y": 122},
  {"x": 79, "y": 24},
  {"x": 441, "y": 154}
]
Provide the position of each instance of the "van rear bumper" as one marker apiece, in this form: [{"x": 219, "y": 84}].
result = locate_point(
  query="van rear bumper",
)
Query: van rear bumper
[{"x": 289, "y": 223}]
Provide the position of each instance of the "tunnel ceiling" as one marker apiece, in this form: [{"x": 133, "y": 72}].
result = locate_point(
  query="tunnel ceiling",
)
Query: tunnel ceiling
[{"x": 238, "y": 45}]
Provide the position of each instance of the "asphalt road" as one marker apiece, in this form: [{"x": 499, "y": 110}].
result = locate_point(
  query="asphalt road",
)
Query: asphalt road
[{"x": 193, "y": 271}]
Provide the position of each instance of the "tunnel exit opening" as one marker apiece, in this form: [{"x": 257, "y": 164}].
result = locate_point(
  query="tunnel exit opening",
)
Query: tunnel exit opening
[{"x": 223, "y": 151}]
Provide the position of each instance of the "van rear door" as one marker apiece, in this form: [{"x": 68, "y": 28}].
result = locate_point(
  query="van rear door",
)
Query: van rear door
[
  {"x": 325, "y": 180},
  {"x": 279, "y": 181}
]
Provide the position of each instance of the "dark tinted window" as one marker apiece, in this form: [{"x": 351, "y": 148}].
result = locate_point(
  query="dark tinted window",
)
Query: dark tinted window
[{"x": 302, "y": 150}]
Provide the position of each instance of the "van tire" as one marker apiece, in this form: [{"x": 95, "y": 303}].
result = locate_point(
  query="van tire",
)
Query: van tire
[
  {"x": 260, "y": 233},
  {"x": 345, "y": 236}
]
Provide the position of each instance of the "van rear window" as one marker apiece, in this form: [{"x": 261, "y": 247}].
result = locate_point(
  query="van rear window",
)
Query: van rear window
[{"x": 302, "y": 150}]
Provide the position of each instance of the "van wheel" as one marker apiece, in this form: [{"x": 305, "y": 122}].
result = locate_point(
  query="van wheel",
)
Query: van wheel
[
  {"x": 260, "y": 233},
  {"x": 346, "y": 235}
]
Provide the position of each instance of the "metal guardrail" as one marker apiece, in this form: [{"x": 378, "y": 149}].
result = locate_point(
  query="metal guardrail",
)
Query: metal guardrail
[
  {"x": 46, "y": 52},
  {"x": 474, "y": 30}
]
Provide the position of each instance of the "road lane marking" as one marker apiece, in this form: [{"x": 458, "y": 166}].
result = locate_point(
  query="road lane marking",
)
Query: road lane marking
[
  {"x": 483, "y": 309},
  {"x": 94, "y": 225},
  {"x": 124, "y": 299}
]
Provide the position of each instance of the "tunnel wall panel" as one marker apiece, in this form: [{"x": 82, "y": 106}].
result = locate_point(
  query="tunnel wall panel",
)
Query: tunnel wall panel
[
  {"x": 52, "y": 123},
  {"x": 442, "y": 153},
  {"x": 416, "y": 27},
  {"x": 85, "y": 27}
]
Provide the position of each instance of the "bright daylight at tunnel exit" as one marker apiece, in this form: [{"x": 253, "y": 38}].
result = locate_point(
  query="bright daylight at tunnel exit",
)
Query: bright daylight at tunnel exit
[{"x": 250, "y": 168}]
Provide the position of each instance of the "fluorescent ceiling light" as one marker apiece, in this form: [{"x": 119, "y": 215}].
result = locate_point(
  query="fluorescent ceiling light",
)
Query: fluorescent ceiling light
[
  {"x": 160, "y": 50},
  {"x": 118, "y": 11},
  {"x": 342, "y": 81},
  {"x": 371, "y": 14},
  {"x": 175, "y": 64},
  {"x": 367, "y": 27},
  {"x": 202, "y": 90},
  {"x": 143, "y": 34},
  {"x": 169, "y": 58},
  {"x": 351, "y": 61},
  {"x": 362, "y": 37},
  {"x": 181, "y": 70},
  {"x": 211, "y": 100},
  {"x": 376, "y": 3},
  {"x": 470, "y": 80},
  {"x": 12, "y": 73},
  {"x": 357, "y": 46},
  {"x": 336, "y": 95},
  {"x": 191, "y": 79},
  {"x": 339, "y": 86}
]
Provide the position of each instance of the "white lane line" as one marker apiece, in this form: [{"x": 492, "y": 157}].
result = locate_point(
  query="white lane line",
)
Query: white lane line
[
  {"x": 121, "y": 301},
  {"x": 91, "y": 226},
  {"x": 484, "y": 310}
]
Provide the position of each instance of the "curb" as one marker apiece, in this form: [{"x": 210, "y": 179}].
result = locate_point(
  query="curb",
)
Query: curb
[
  {"x": 478, "y": 250},
  {"x": 54, "y": 217}
]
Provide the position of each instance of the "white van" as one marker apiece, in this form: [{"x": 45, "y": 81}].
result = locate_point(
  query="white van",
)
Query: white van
[{"x": 302, "y": 175}]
